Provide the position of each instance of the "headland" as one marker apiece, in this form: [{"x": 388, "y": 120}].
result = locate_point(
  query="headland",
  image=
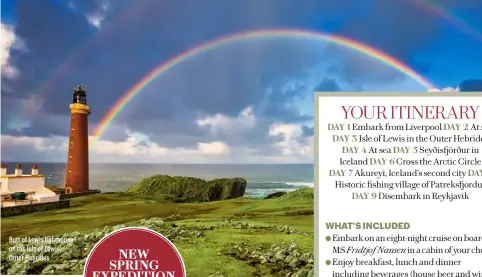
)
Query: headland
[{"x": 211, "y": 223}]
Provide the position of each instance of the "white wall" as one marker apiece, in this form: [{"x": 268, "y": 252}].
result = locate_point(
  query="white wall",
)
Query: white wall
[
  {"x": 4, "y": 185},
  {"x": 24, "y": 184},
  {"x": 46, "y": 195},
  {"x": 28, "y": 184},
  {"x": 44, "y": 199}
]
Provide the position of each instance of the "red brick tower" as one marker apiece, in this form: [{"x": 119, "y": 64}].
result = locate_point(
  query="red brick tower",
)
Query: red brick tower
[{"x": 77, "y": 174}]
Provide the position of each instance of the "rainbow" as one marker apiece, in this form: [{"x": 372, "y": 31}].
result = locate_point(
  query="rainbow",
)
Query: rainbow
[
  {"x": 362, "y": 48},
  {"x": 44, "y": 88}
]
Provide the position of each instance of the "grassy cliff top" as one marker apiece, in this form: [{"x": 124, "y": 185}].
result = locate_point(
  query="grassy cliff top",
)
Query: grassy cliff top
[
  {"x": 223, "y": 229},
  {"x": 98, "y": 210}
]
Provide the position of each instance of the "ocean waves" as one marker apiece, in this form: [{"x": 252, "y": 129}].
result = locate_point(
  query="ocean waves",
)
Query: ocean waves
[
  {"x": 262, "y": 179},
  {"x": 260, "y": 189}
]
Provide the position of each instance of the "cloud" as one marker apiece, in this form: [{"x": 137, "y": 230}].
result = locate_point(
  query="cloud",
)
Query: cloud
[
  {"x": 97, "y": 16},
  {"x": 39, "y": 149},
  {"x": 221, "y": 123},
  {"x": 71, "y": 5},
  {"x": 135, "y": 145},
  {"x": 327, "y": 84},
  {"x": 95, "y": 19},
  {"x": 53, "y": 149},
  {"x": 400, "y": 36},
  {"x": 236, "y": 102},
  {"x": 291, "y": 142},
  {"x": 213, "y": 148},
  {"x": 471, "y": 85},
  {"x": 10, "y": 41},
  {"x": 447, "y": 89},
  {"x": 242, "y": 85},
  {"x": 307, "y": 131},
  {"x": 243, "y": 130},
  {"x": 142, "y": 36}
]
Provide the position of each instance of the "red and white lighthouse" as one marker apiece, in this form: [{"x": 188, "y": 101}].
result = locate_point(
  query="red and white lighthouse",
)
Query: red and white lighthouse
[{"x": 77, "y": 173}]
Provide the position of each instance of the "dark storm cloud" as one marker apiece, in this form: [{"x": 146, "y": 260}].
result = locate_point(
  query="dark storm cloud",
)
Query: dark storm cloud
[
  {"x": 308, "y": 131},
  {"x": 10, "y": 107},
  {"x": 47, "y": 125},
  {"x": 407, "y": 37},
  {"x": 114, "y": 60},
  {"x": 279, "y": 103},
  {"x": 86, "y": 6},
  {"x": 357, "y": 69},
  {"x": 258, "y": 74},
  {"x": 475, "y": 4},
  {"x": 172, "y": 133},
  {"x": 142, "y": 34},
  {"x": 116, "y": 133},
  {"x": 471, "y": 85},
  {"x": 327, "y": 84},
  {"x": 49, "y": 32},
  {"x": 228, "y": 79},
  {"x": 412, "y": 28}
]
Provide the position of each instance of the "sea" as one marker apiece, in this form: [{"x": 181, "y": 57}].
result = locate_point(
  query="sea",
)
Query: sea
[{"x": 262, "y": 179}]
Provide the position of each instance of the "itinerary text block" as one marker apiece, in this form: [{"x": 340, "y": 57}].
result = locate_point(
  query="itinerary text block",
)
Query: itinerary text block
[{"x": 399, "y": 180}]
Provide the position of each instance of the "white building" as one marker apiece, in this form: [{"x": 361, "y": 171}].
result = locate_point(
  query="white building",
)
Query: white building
[{"x": 33, "y": 185}]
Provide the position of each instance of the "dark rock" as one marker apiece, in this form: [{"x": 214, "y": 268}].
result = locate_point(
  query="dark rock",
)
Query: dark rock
[{"x": 275, "y": 195}]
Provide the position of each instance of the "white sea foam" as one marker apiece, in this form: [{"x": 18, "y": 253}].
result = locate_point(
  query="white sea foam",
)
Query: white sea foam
[{"x": 300, "y": 184}]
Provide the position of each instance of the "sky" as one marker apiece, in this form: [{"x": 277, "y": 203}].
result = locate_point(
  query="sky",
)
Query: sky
[{"x": 247, "y": 101}]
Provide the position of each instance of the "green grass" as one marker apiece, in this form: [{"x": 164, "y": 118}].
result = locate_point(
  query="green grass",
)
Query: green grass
[{"x": 201, "y": 255}]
